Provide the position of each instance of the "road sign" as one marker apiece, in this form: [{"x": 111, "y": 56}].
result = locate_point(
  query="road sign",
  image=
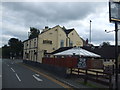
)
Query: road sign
[{"x": 114, "y": 10}]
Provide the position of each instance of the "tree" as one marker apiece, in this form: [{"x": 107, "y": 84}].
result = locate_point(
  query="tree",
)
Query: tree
[
  {"x": 33, "y": 32},
  {"x": 16, "y": 47},
  {"x": 104, "y": 44},
  {"x": 5, "y": 51}
]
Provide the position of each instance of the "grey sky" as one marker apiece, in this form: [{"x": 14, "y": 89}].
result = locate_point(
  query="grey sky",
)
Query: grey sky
[{"x": 18, "y": 17}]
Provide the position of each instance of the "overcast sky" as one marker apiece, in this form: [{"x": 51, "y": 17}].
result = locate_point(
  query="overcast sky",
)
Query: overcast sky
[{"x": 18, "y": 17}]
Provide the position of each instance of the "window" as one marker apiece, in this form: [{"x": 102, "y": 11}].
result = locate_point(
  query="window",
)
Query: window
[
  {"x": 30, "y": 44},
  {"x": 34, "y": 43},
  {"x": 27, "y": 56},
  {"x": 26, "y": 44},
  {"x": 62, "y": 43},
  {"x": 45, "y": 51},
  {"x": 35, "y": 52},
  {"x": 53, "y": 48},
  {"x": 71, "y": 43}
]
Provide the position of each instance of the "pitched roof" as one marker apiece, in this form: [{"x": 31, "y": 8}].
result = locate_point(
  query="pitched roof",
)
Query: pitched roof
[
  {"x": 78, "y": 51},
  {"x": 61, "y": 49},
  {"x": 67, "y": 31},
  {"x": 107, "y": 52}
]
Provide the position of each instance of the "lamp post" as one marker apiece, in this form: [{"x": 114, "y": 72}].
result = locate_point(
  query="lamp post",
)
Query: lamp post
[
  {"x": 90, "y": 32},
  {"x": 116, "y": 54}
]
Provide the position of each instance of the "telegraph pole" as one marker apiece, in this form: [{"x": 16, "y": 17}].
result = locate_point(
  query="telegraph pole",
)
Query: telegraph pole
[{"x": 90, "y": 32}]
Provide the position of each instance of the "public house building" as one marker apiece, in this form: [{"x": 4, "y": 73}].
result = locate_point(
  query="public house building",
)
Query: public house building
[{"x": 49, "y": 40}]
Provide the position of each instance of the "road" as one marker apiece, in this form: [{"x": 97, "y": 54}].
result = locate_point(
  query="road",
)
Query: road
[{"x": 16, "y": 75}]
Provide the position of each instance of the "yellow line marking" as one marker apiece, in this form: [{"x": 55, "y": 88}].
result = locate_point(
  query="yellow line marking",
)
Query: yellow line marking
[{"x": 50, "y": 78}]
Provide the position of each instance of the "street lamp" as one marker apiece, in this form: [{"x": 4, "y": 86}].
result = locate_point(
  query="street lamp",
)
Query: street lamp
[{"x": 116, "y": 53}]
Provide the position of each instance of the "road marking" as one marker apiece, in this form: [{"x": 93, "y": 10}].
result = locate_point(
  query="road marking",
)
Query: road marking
[
  {"x": 12, "y": 69},
  {"x": 48, "y": 77},
  {"x": 18, "y": 77},
  {"x": 37, "y": 75},
  {"x": 38, "y": 79}
]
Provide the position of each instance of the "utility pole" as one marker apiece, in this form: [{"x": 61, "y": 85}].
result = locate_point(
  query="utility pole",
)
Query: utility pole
[
  {"x": 90, "y": 32},
  {"x": 116, "y": 56}
]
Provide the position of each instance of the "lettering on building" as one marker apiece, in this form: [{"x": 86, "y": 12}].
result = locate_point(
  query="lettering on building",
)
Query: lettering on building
[{"x": 47, "y": 42}]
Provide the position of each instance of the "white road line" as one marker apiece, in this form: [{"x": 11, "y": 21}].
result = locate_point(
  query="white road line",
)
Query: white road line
[
  {"x": 37, "y": 75},
  {"x": 12, "y": 69},
  {"x": 18, "y": 77},
  {"x": 38, "y": 79}
]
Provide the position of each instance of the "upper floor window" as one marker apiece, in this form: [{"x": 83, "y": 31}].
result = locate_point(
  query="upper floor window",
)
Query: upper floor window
[
  {"x": 30, "y": 44},
  {"x": 62, "y": 43},
  {"x": 71, "y": 43},
  {"x": 26, "y": 44},
  {"x": 34, "y": 43}
]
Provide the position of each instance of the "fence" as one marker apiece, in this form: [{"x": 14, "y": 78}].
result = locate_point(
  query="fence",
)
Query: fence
[
  {"x": 69, "y": 62},
  {"x": 96, "y": 76}
]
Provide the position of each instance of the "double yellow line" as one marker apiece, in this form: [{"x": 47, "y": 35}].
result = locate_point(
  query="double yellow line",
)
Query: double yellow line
[{"x": 50, "y": 78}]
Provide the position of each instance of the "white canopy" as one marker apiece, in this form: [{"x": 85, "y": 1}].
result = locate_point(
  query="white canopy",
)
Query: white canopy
[{"x": 78, "y": 51}]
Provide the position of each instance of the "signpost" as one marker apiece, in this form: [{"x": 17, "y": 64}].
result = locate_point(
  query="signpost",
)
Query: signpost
[
  {"x": 114, "y": 11},
  {"x": 114, "y": 17}
]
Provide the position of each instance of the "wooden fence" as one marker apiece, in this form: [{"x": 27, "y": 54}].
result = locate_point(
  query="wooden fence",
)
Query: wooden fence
[{"x": 93, "y": 75}]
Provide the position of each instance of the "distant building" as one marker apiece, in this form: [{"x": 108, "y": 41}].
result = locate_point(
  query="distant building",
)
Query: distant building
[
  {"x": 107, "y": 53},
  {"x": 49, "y": 40}
]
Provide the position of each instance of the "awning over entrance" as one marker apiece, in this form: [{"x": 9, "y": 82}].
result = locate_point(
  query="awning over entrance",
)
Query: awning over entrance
[{"x": 78, "y": 51}]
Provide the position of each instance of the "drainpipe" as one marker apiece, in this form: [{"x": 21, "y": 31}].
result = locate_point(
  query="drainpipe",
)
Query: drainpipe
[
  {"x": 37, "y": 49},
  {"x": 67, "y": 42}
]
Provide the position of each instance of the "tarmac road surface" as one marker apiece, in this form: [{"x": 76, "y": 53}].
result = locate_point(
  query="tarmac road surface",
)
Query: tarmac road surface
[{"x": 16, "y": 75}]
